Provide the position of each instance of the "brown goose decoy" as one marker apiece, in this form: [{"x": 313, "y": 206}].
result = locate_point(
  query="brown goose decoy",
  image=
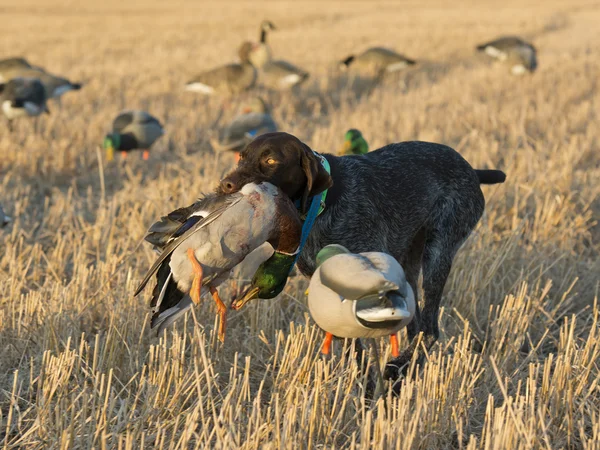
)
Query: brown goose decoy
[
  {"x": 262, "y": 52},
  {"x": 254, "y": 119},
  {"x": 55, "y": 86},
  {"x": 519, "y": 55},
  {"x": 377, "y": 60},
  {"x": 21, "y": 97},
  {"x": 228, "y": 79}
]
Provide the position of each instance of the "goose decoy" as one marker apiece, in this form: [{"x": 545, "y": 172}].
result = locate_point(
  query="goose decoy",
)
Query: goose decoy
[
  {"x": 254, "y": 119},
  {"x": 363, "y": 295},
  {"x": 22, "y": 97},
  {"x": 520, "y": 55},
  {"x": 4, "y": 219},
  {"x": 228, "y": 79},
  {"x": 262, "y": 52},
  {"x": 132, "y": 130},
  {"x": 354, "y": 144},
  {"x": 377, "y": 60},
  {"x": 55, "y": 86},
  {"x": 282, "y": 75},
  {"x": 11, "y": 64},
  {"x": 200, "y": 245}
]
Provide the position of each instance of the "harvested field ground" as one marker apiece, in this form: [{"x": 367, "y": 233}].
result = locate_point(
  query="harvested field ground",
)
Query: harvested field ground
[{"x": 517, "y": 365}]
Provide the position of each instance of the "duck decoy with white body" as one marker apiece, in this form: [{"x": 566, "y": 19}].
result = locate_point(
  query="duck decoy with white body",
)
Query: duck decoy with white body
[
  {"x": 377, "y": 61},
  {"x": 354, "y": 143},
  {"x": 201, "y": 244},
  {"x": 229, "y": 79},
  {"x": 262, "y": 52},
  {"x": 22, "y": 97},
  {"x": 363, "y": 295},
  {"x": 4, "y": 219},
  {"x": 132, "y": 130},
  {"x": 519, "y": 55},
  {"x": 254, "y": 119}
]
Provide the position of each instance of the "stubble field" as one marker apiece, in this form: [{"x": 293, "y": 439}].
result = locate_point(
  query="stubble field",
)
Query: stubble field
[{"x": 517, "y": 365}]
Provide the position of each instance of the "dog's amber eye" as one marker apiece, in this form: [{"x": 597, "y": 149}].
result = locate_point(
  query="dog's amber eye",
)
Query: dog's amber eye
[{"x": 271, "y": 161}]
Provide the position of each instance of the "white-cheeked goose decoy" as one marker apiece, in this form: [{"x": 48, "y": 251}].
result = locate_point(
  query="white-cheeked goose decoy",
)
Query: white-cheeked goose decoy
[
  {"x": 262, "y": 52},
  {"x": 201, "y": 244},
  {"x": 363, "y": 295},
  {"x": 377, "y": 60},
  {"x": 21, "y": 97},
  {"x": 229, "y": 79},
  {"x": 253, "y": 120},
  {"x": 132, "y": 130},
  {"x": 519, "y": 55}
]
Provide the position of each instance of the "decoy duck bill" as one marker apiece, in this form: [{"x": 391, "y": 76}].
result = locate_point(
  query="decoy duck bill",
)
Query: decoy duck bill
[
  {"x": 346, "y": 147},
  {"x": 250, "y": 294}
]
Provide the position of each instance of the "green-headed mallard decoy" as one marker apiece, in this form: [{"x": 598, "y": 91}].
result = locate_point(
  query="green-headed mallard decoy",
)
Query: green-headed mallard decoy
[
  {"x": 518, "y": 54},
  {"x": 22, "y": 97},
  {"x": 217, "y": 233},
  {"x": 132, "y": 130},
  {"x": 262, "y": 52},
  {"x": 229, "y": 79},
  {"x": 354, "y": 144},
  {"x": 4, "y": 219},
  {"x": 254, "y": 119},
  {"x": 377, "y": 60},
  {"x": 363, "y": 295},
  {"x": 55, "y": 86}
]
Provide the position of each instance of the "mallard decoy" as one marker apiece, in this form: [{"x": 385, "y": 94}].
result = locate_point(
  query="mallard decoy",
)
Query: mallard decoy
[
  {"x": 55, "y": 86},
  {"x": 262, "y": 52},
  {"x": 132, "y": 130},
  {"x": 22, "y": 97},
  {"x": 363, "y": 295},
  {"x": 228, "y": 79},
  {"x": 520, "y": 55},
  {"x": 4, "y": 219},
  {"x": 377, "y": 60},
  {"x": 354, "y": 144},
  {"x": 254, "y": 119},
  {"x": 217, "y": 233}
]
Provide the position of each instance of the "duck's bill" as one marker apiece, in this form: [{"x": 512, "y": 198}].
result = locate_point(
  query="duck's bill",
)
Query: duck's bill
[
  {"x": 250, "y": 294},
  {"x": 110, "y": 153},
  {"x": 345, "y": 148}
]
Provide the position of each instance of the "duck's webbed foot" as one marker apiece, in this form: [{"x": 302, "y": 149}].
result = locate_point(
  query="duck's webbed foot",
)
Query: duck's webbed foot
[{"x": 222, "y": 311}]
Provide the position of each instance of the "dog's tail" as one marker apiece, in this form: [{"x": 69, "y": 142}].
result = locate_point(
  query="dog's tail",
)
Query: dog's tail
[{"x": 490, "y": 176}]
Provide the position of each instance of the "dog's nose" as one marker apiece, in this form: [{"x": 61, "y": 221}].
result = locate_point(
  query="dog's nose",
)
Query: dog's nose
[{"x": 227, "y": 186}]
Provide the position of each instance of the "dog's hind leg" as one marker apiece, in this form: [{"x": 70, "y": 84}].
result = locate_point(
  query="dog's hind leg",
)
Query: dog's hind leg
[{"x": 451, "y": 227}]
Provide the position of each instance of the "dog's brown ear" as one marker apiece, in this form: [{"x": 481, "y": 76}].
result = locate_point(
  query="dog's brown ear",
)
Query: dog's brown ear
[{"x": 317, "y": 178}]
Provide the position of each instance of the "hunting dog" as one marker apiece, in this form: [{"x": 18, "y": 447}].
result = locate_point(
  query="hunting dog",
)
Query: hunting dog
[{"x": 417, "y": 201}]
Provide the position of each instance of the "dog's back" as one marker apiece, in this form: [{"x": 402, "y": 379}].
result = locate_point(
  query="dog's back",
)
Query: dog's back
[{"x": 382, "y": 200}]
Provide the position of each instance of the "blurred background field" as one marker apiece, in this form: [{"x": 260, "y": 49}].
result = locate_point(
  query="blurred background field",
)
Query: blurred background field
[{"x": 517, "y": 365}]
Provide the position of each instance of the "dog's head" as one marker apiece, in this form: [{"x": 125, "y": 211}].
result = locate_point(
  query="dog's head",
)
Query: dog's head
[{"x": 283, "y": 160}]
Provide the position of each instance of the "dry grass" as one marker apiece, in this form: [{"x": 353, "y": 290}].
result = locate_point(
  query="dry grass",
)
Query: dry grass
[{"x": 517, "y": 364}]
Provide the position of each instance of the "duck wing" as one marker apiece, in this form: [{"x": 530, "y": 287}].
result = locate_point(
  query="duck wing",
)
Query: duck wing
[
  {"x": 179, "y": 221},
  {"x": 180, "y": 238},
  {"x": 355, "y": 277}
]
